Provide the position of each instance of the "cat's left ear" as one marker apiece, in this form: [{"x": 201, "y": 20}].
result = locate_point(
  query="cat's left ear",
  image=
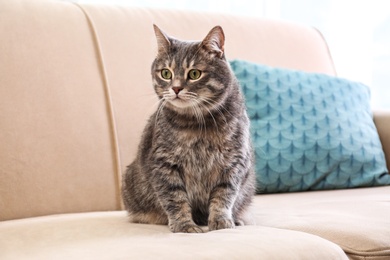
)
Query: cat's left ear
[
  {"x": 215, "y": 41},
  {"x": 163, "y": 41}
]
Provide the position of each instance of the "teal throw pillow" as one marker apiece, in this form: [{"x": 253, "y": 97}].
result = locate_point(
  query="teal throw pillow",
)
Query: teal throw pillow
[{"x": 310, "y": 131}]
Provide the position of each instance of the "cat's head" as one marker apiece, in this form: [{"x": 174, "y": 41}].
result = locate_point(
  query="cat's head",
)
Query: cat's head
[{"x": 191, "y": 76}]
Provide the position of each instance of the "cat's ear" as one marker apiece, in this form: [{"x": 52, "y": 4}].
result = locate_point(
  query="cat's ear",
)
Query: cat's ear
[
  {"x": 163, "y": 41},
  {"x": 215, "y": 41}
]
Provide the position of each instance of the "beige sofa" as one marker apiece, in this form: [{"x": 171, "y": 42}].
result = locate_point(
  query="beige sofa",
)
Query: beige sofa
[{"x": 75, "y": 93}]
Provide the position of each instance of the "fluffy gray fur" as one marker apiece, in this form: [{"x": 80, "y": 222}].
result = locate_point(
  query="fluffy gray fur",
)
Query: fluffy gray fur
[{"x": 194, "y": 164}]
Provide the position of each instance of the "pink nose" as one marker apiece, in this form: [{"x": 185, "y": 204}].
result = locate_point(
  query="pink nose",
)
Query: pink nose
[{"x": 177, "y": 89}]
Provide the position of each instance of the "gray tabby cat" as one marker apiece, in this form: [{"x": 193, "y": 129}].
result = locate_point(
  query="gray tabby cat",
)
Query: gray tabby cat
[{"x": 194, "y": 163}]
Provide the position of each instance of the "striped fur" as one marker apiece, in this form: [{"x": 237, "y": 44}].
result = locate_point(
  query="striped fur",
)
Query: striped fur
[{"x": 194, "y": 164}]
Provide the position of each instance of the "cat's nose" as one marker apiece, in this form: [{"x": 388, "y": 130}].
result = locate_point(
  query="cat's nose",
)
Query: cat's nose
[{"x": 177, "y": 89}]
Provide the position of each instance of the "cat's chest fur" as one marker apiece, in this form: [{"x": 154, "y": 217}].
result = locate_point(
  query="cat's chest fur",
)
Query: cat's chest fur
[
  {"x": 201, "y": 159},
  {"x": 199, "y": 155}
]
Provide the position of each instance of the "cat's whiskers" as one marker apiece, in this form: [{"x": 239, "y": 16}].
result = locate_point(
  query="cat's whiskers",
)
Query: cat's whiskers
[
  {"x": 216, "y": 107},
  {"x": 199, "y": 115},
  {"x": 168, "y": 96},
  {"x": 212, "y": 102},
  {"x": 155, "y": 104},
  {"x": 199, "y": 103},
  {"x": 188, "y": 95},
  {"x": 192, "y": 96}
]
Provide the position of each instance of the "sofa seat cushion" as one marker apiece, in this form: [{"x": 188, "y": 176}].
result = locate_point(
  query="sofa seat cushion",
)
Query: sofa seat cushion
[
  {"x": 109, "y": 235},
  {"x": 355, "y": 219}
]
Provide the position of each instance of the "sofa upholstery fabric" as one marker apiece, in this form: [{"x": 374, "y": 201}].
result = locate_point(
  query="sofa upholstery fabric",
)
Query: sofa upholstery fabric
[
  {"x": 357, "y": 228},
  {"x": 355, "y": 219},
  {"x": 107, "y": 235}
]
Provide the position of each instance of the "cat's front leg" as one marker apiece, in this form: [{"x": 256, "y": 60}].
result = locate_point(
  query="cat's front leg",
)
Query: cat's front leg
[
  {"x": 183, "y": 226},
  {"x": 178, "y": 210},
  {"x": 172, "y": 196},
  {"x": 221, "y": 205}
]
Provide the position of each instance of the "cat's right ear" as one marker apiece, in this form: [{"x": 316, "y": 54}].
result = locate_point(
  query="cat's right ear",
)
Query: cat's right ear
[{"x": 163, "y": 41}]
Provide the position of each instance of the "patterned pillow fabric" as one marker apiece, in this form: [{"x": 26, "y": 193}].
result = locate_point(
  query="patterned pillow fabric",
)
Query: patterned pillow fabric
[{"x": 310, "y": 131}]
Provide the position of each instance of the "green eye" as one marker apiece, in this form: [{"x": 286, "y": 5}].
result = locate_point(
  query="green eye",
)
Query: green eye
[
  {"x": 194, "y": 74},
  {"x": 166, "y": 74}
]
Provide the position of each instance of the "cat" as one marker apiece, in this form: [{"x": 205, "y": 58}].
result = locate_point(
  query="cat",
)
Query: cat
[{"x": 194, "y": 165}]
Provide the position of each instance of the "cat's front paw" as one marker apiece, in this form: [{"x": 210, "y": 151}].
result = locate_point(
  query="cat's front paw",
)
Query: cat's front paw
[
  {"x": 185, "y": 228},
  {"x": 221, "y": 223}
]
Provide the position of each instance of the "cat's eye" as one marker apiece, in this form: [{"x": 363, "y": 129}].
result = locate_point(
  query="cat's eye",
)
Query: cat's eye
[
  {"x": 166, "y": 74},
  {"x": 194, "y": 74}
]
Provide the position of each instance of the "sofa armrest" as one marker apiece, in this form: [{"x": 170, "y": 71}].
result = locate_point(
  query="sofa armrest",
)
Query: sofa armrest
[{"x": 382, "y": 122}]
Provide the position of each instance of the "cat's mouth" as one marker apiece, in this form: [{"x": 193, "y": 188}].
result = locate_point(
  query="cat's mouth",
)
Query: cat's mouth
[
  {"x": 180, "y": 102},
  {"x": 181, "y": 99}
]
